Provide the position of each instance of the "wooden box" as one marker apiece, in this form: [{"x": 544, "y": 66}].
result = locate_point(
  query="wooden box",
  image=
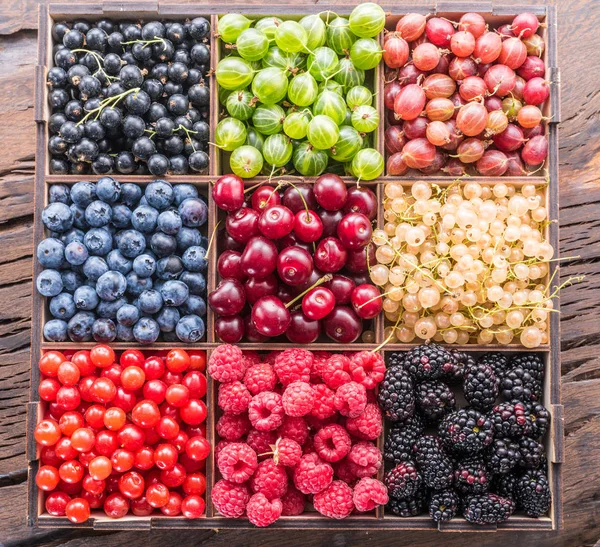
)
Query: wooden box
[{"x": 378, "y": 519}]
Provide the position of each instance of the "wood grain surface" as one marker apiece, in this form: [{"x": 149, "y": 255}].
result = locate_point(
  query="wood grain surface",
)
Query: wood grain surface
[{"x": 578, "y": 44}]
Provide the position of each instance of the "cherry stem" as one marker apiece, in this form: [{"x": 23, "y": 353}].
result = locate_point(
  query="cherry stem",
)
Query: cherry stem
[
  {"x": 323, "y": 279},
  {"x": 212, "y": 237},
  {"x": 302, "y": 198},
  {"x": 250, "y": 188}
]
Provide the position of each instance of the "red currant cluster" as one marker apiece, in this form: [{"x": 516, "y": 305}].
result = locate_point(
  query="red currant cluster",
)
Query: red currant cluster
[
  {"x": 123, "y": 433},
  {"x": 308, "y": 243},
  {"x": 297, "y": 426}
]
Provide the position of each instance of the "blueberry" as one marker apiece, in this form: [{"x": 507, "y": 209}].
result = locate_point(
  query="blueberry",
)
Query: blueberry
[
  {"x": 116, "y": 261},
  {"x": 111, "y": 286},
  {"x": 169, "y": 267},
  {"x": 62, "y": 306},
  {"x": 108, "y": 310},
  {"x": 86, "y": 298},
  {"x": 131, "y": 243},
  {"x": 94, "y": 267},
  {"x": 59, "y": 192},
  {"x": 76, "y": 253},
  {"x": 73, "y": 234},
  {"x": 193, "y": 259},
  {"x": 79, "y": 217},
  {"x": 49, "y": 283},
  {"x": 184, "y": 191},
  {"x": 125, "y": 334},
  {"x": 98, "y": 241},
  {"x": 83, "y": 193},
  {"x": 55, "y": 330},
  {"x": 193, "y": 212},
  {"x": 187, "y": 237},
  {"x": 51, "y": 253},
  {"x": 146, "y": 330},
  {"x": 190, "y": 329},
  {"x": 136, "y": 285},
  {"x": 79, "y": 327},
  {"x": 128, "y": 315},
  {"x": 71, "y": 280},
  {"x": 143, "y": 201},
  {"x": 130, "y": 194},
  {"x": 98, "y": 214},
  {"x": 195, "y": 282},
  {"x": 167, "y": 319},
  {"x": 104, "y": 330},
  {"x": 150, "y": 301},
  {"x": 194, "y": 305},
  {"x": 169, "y": 222},
  {"x": 144, "y": 219},
  {"x": 159, "y": 194},
  {"x": 144, "y": 265},
  {"x": 162, "y": 244},
  {"x": 121, "y": 216},
  {"x": 57, "y": 217},
  {"x": 174, "y": 293}
]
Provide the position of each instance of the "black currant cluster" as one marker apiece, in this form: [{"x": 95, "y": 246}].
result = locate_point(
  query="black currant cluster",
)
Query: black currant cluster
[{"x": 129, "y": 98}]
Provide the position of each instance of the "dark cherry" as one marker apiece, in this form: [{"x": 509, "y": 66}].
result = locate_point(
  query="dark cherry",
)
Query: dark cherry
[
  {"x": 294, "y": 266},
  {"x": 276, "y": 222},
  {"x": 228, "y": 298},
  {"x": 285, "y": 293},
  {"x": 366, "y": 301},
  {"x": 314, "y": 277},
  {"x": 303, "y": 330},
  {"x": 330, "y": 220},
  {"x": 242, "y": 224},
  {"x": 228, "y": 192},
  {"x": 270, "y": 316},
  {"x": 330, "y": 255},
  {"x": 330, "y": 192},
  {"x": 317, "y": 303},
  {"x": 341, "y": 287},
  {"x": 355, "y": 231},
  {"x": 264, "y": 197},
  {"x": 293, "y": 201},
  {"x": 229, "y": 265},
  {"x": 308, "y": 226},
  {"x": 259, "y": 258},
  {"x": 257, "y": 288},
  {"x": 252, "y": 335},
  {"x": 227, "y": 243},
  {"x": 230, "y": 329},
  {"x": 291, "y": 240},
  {"x": 360, "y": 278},
  {"x": 342, "y": 325},
  {"x": 359, "y": 260},
  {"x": 361, "y": 200}
]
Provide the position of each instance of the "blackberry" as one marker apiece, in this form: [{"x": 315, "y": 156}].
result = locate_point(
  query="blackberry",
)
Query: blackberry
[
  {"x": 443, "y": 505},
  {"x": 539, "y": 418},
  {"x": 455, "y": 374},
  {"x": 396, "y": 359},
  {"x": 488, "y": 509},
  {"x": 471, "y": 476},
  {"x": 428, "y": 362},
  {"x": 530, "y": 362},
  {"x": 497, "y": 361},
  {"x": 503, "y": 456},
  {"x": 401, "y": 439},
  {"x": 505, "y": 485},
  {"x": 520, "y": 384},
  {"x": 510, "y": 420},
  {"x": 396, "y": 396},
  {"x": 434, "y": 399},
  {"x": 480, "y": 387},
  {"x": 434, "y": 464},
  {"x": 410, "y": 507},
  {"x": 532, "y": 492},
  {"x": 532, "y": 453},
  {"x": 466, "y": 431},
  {"x": 403, "y": 481}
]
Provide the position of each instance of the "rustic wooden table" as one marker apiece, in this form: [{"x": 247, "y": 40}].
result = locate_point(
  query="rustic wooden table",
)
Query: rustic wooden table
[{"x": 578, "y": 45}]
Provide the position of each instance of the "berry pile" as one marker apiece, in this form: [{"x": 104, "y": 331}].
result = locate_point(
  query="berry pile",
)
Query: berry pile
[
  {"x": 487, "y": 459},
  {"x": 310, "y": 242},
  {"x": 297, "y": 427},
  {"x": 124, "y": 262},
  {"x": 123, "y": 433},
  {"x": 316, "y": 69},
  {"x": 129, "y": 97},
  {"x": 464, "y": 98}
]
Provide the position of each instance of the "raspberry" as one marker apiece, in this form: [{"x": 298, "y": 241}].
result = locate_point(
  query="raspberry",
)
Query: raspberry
[
  {"x": 262, "y": 512},
  {"x": 251, "y": 357},
  {"x": 266, "y": 411},
  {"x": 343, "y": 471},
  {"x": 335, "y": 501},
  {"x": 270, "y": 479},
  {"x": 298, "y": 399},
  {"x": 292, "y": 365},
  {"x": 368, "y": 494},
  {"x": 234, "y": 398},
  {"x": 312, "y": 475},
  {"x": 220, "y": 446},
  {"x": 230, "y": 499},
  {"x": 324, "y": 406},
  {"x": 226, "y": 364},
  {"x": 237, "y": 462},
  {"x": 367, "y": 368},
  {"x": 332, "y": 443},
  {"x": 287, "y": 452},
  {"x": 364, "y": 459},
  {"x": 260, "y": 377},
  {"x": 336, "y": 371},
  {"x": 295, "y": 429},
  {"x": 368, "y": 425},
  {"x": 320, "y": 358},
  {"x": 315, "y": 423},
  {"x": 270, "y": 357},
  {"x": 293, "y": 502},
  {"x": 261, "y": 441},
  {"x": 232, "y": 427},
  {"x": 351, "y": 399}
]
